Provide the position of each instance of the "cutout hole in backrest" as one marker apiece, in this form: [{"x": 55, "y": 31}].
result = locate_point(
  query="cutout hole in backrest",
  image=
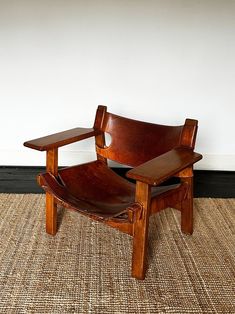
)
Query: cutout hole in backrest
[{"x": 108, "y": 139}]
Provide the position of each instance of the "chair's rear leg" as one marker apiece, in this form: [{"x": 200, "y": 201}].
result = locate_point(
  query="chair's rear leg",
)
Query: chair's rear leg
[
  {"x": 140, "y": 232},
  {"x": 187, "y": 208},
  {"x": 51, "y": 207}
]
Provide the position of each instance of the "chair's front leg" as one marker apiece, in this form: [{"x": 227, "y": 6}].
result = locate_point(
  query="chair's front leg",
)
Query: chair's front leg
[
  {"x": 140, "y": 231},
  {"x": 51, "y": 214},
  {"x": 51, "y": 207},
  {"x": 187, "y": 204}
]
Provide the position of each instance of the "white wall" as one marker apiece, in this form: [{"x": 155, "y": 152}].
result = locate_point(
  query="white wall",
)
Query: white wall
[{"x": 156, "y": 60}]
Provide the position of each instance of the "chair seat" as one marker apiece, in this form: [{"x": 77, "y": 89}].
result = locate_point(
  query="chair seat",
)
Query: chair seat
[{"x": 94, "y": 189}]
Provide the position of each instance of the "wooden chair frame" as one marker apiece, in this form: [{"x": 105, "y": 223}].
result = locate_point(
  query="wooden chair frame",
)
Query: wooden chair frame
[{"x": 150, "y": 171}]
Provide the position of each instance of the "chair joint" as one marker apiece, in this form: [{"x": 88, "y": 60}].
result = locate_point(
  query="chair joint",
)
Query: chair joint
[{"x": 135, "y": 212}]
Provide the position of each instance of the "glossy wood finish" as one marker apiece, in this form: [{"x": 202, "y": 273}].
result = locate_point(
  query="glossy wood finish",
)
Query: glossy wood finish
[
  {"x": 163, "y": 167},
  {"x": 171, "y": 197},
  {"x": 140, "y": 231},
  {"x": 52, "y": 161},
  {"x": 51, "y": 208},
  {"x": 100, "y": 137},
  {"x": 186, "y": 177},
  {"x": 156, "y": 152},
  {"x": 60, "y": 139},
  {"x": 189, "y": 133}
]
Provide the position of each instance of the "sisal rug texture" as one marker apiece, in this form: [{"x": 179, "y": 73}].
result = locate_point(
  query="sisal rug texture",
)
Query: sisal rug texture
[{"x": 85, "y": 268}]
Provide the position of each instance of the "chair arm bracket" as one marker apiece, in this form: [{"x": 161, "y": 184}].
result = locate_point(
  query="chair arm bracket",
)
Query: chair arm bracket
[{"x": 135, "y": 212}]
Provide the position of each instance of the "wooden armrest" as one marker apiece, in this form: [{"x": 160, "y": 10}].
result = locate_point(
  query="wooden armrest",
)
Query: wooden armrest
[
  {"x": 159, "y": 169},
  {"x": 61, "y": 138}
]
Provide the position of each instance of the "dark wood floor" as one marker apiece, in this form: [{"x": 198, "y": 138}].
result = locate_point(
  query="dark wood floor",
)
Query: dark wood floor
[{"x": 206, "y": 183}]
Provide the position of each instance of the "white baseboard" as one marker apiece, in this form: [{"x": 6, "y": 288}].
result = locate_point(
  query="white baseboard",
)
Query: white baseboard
[
  {"x": 28, "y": 157},
  {"x": 216, "y": 162}
]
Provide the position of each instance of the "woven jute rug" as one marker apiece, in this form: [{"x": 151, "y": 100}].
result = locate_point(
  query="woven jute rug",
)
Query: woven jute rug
[{"x": 85, "y": 268}]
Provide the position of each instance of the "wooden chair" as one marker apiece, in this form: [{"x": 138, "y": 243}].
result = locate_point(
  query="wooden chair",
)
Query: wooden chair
[{"x": 156, "y": 153}]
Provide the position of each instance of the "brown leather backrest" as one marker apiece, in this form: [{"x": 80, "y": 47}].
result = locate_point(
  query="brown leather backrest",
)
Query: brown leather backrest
[{"x": 134, "y": 142}]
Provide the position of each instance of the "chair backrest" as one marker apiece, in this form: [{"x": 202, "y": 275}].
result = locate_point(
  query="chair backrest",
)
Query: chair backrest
[{"x": 134, "y": 142}]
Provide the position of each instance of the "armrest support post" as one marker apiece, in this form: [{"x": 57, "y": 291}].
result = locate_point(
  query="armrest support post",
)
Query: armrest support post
[
  {"x": 52, "y": 161},
  {"x": 51, "y": 207}
]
